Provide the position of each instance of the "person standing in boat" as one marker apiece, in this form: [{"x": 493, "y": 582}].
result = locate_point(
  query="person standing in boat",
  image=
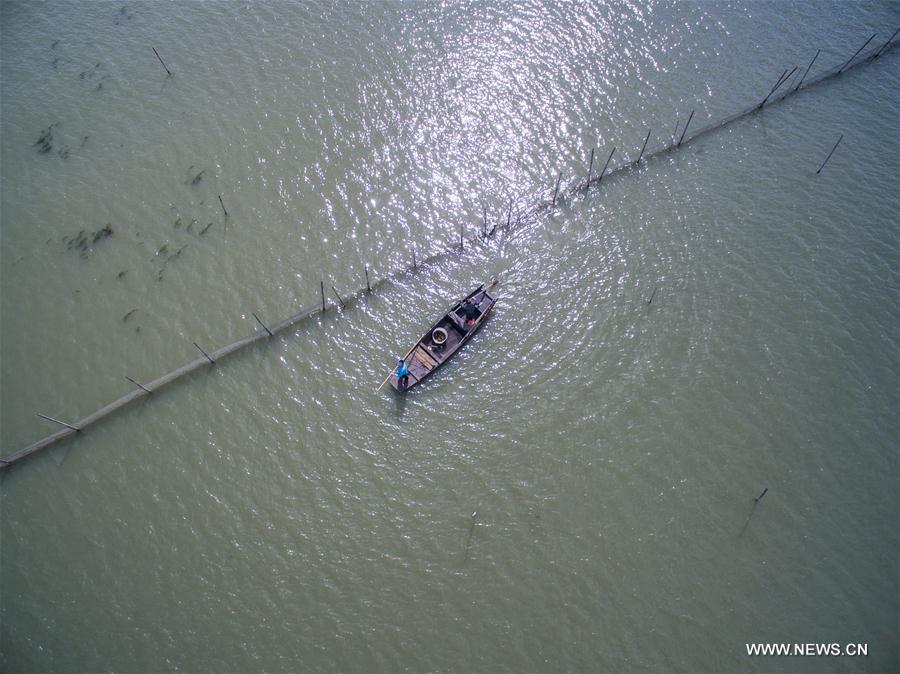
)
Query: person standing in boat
[{"x": 402, "y": 374}]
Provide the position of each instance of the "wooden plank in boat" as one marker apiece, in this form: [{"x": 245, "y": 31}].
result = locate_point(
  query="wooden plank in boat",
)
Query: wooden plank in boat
[{"x": 424, "y": 358}]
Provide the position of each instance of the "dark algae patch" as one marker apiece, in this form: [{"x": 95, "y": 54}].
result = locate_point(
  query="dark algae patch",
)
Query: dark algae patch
[
  {"x": 84, "y": 241},
  {"x": 194, "y": 178},
  {"x": 44, "y": 142}
]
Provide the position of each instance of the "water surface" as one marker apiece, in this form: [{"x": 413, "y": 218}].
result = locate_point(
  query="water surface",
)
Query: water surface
[{"x": 274, "y": 513}]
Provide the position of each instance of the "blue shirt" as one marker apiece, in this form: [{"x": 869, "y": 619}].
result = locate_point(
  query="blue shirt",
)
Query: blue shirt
[{"x": 402, "y": 370}]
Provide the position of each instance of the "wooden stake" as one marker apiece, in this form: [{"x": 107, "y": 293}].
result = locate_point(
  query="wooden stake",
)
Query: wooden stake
[
  {"x": 884, "y": 46},
  {"x": 857, "y": 52},
  {"x": 368, "y": 287},
  {"x": 829, "y": 154},
  {"x": 57, "y": 421},
  {"x": 509, "y": 214},
  {"x": 338, "y": 296},
  {"x": 211, "y": 361},
  {"x": 161, "y": 61},
  {"x": 600, "y": 179},
  {"x": 223, "y": 206},
  {"x": 644, "y": 146},
  {"x": 590, "y": 167},
  {"x": 808, "y": 68},
  {"x": 793, "y": 70},
  {"x": 772, "y": 90},
  {"x": 758, "y": 498},
  {"x": 652, "y": 295},
  {"x": 322, "y": 288},
  {"x": 556, "y": 191},
  {"x": 686, "y": 128},
  {"x": 789, "y": 81},
  {"x": 262, "y": 324},
  {"x": 141, "y": 386}
]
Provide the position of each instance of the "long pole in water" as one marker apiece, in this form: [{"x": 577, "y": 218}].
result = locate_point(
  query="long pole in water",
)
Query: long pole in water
[
  {"x": 556, "y": 191},
  {"x": 793, "y": 70},
  {"x": 884, "y": 46},
  {"x": 772, "y": 90},
  {"x": 225, "y": 211},
  {"x": 211, "y": 361},
  {"x": 808, "y": 68},
  {"x": 57, "y": 421},
  {"x": 141, "y": 386},
  {"x": 590, "y": 167},
  {"x": 784, "y": 78},
  {"x": 644, "y": 146},
  {"x": 857, "y": 52},
  {"x": 338, "y": 295},
  {"x": 789, "y": 81},
  {"x": 264, "y": 326},
  {"x": 161, "y": 61},
  {"x": 608, "y": 159},
  {"x": 686, "y": 128},
  {"x": 829, "y": 154}
]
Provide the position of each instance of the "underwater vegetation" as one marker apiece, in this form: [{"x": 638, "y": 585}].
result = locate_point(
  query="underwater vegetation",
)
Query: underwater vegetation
[
  {"x": 84, "y": 241},
  {"x": 193, "y": 178},
  {"x": 167, "y": 258},
  {"x": 44, "y": 142}
]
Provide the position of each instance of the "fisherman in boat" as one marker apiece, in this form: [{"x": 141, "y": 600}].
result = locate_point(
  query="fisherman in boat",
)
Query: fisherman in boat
[
  {"x": 402, "y": 374},
  {"x": 471, "y": 312}
]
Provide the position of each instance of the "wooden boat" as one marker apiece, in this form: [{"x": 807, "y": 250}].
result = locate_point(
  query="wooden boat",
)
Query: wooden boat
[{"x": 447, "y": 336}]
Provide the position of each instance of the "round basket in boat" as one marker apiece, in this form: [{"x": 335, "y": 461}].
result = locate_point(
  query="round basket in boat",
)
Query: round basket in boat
[{"x": 439, "y": 336}]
